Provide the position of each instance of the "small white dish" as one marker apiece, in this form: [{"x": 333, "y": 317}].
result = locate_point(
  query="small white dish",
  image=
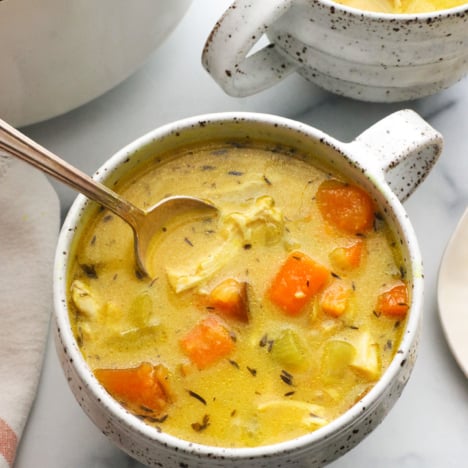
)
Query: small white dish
[{"x": 453, "y": 293}]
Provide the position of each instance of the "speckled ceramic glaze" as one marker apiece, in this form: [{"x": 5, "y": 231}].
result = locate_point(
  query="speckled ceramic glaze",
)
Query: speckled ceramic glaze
[
  {"x": 390, "y": 159},
  {"x": 359, "y": 54}
]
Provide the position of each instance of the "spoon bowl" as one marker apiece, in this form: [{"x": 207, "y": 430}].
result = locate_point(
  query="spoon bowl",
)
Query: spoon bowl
[{"x": 144, "y": 223}]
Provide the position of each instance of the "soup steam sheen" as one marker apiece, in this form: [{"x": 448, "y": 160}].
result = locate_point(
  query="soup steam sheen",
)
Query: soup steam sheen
[{"x": 259, "y": 324}]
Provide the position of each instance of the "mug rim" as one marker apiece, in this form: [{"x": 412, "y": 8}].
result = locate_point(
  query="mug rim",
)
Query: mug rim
[{"x": 122, "y": 416}]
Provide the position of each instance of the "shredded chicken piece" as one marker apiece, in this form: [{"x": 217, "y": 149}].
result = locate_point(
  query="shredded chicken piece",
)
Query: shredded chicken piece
[{"x": 260, "y": 221}]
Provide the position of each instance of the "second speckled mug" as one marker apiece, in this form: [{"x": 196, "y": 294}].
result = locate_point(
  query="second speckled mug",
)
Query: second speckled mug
[{"x": 359, "y": 54}]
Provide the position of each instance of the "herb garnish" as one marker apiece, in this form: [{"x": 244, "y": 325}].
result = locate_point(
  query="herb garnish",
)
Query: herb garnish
[
  {"x": 197, "y": 396},
  {"x": 265, "y": 342},
  {"x": 286, "y": 377},
  {"x": 252, "y": 371},
  {"x": 234, "y": 363},
  {"x": 89, "y": 270},
  {"x": 197, "y": 426}
]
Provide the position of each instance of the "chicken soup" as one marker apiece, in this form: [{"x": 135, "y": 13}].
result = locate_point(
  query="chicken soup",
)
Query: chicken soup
[
  {"x": 259, "y": 324},
  {"x": 402, "y": 6}
]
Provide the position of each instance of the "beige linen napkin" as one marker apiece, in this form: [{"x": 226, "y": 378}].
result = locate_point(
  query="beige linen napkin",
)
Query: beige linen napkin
[{"x": 29, "y": 223}]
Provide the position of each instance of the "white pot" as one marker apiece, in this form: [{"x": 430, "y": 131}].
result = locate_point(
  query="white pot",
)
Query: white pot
[{"x": 57, "y": 55}]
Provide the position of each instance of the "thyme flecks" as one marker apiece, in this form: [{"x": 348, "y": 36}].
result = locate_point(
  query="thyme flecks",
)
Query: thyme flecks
[
  {"x": 252, "y": 371},
  {"x": 200, "y": 426},
  {"x": 402, "y": 272},
  {"x": 197, "y": 396},
  {"x": 152, "y": 419},
  {"x": 89, "y": 270},
  {"x": 265, "y": 342},
  {"x": 286, "y": 377},
  {"x": 234, "y": 363}
]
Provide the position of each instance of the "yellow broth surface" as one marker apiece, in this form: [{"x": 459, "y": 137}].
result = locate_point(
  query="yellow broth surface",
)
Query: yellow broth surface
[
  {"x": 286, "y": 374},
  {"x": 402, "y": 6}
]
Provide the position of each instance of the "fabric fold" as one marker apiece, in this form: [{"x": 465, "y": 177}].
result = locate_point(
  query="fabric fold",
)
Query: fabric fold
[{"x": 29, "y": 225}]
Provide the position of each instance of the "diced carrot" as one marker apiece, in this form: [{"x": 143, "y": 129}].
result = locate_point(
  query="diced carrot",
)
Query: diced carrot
[
  {"x": 348, "y": 257},
  {"x": 296, "y": 282},
  {"x": 230, "y": 299},
  {"x": 143, "y": 386},
  {"x": 394, "y": 301},
  {"x": 345, "y": 206},
  {"x": 335, "y": 297},
  {"x": 207, "y": 342}
]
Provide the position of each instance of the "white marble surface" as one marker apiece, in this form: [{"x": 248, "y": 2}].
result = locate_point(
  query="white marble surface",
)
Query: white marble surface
[{"x": 428, "y": 427}]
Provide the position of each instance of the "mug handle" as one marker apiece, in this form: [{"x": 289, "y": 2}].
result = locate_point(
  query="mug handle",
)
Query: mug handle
[
  {"x": 403, "y": 146},
  {"x": 225, "y": 54}
]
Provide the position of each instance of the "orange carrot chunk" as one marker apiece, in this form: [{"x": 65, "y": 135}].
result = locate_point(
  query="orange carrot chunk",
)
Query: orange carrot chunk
[
  {"x": 348, "y": 257},
  {"x": 345, "y": 206},
  {"x": 393, "y": 302},
  {"x": 207, "y": 342},
  {"x": 335, "y": 297},
  {"x": 230, "y": 299},
  {"x": 143, "y": 386},
  {"x": 296, "y": 282}
]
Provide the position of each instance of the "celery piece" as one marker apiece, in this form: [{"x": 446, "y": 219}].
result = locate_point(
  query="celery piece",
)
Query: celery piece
[
  {"x": 336, "y": 358},
  {"x": 135, "y": 338},
  {"x": 289, "y": 349},
  {"x": 140, "y": 311}
]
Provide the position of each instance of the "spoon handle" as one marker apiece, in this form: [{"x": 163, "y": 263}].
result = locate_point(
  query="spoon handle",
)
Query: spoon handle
[{"x": 17, "y": 144}]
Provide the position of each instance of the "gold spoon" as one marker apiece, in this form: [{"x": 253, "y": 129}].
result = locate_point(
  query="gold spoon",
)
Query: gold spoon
[{"x": 144, "y": 223}]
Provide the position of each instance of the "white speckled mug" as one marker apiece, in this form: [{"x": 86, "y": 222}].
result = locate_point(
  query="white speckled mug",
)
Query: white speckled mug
[
  {"x": 359, "y": 54},
  {"x": 389, "y": 160}
]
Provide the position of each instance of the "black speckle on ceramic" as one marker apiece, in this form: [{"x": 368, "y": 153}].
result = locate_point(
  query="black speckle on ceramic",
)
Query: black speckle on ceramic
[
  {"x": 371, "y": 57},
  {"x": 151, "y": 445}
]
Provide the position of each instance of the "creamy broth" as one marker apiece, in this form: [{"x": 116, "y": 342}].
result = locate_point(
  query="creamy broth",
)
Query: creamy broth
[
  {"x": 300, "y": 362},
  {"x": 402, "y": 6}
]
